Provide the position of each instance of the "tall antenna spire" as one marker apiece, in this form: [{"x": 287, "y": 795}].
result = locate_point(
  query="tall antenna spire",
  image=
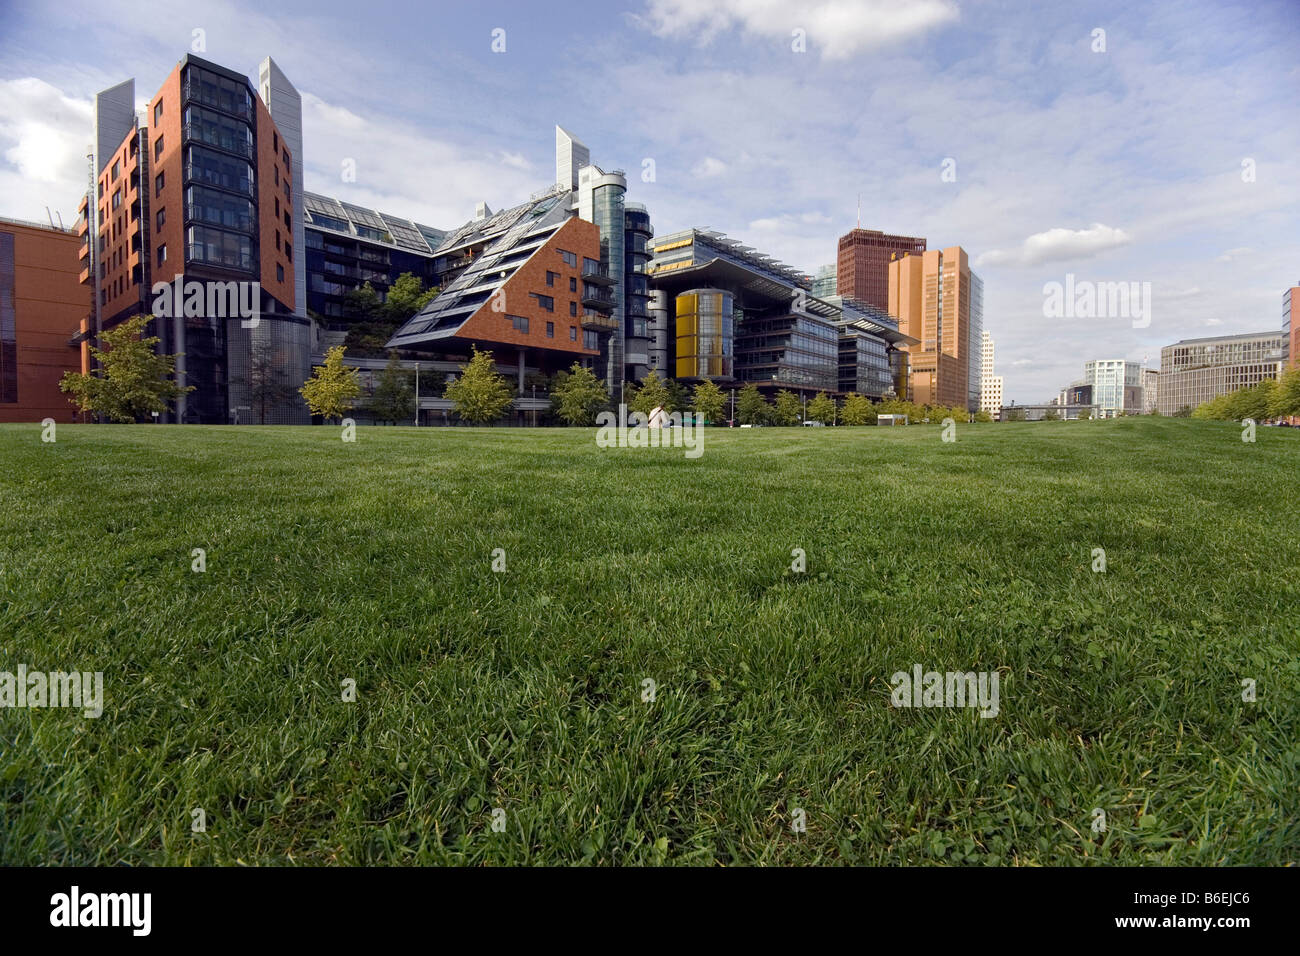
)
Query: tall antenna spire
[{"x": 859, "y": 210}]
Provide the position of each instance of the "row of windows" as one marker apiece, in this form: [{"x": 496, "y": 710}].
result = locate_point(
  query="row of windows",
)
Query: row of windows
[
  {"x": 520, "y": 324},
  {"x": 552, "y": 276}
]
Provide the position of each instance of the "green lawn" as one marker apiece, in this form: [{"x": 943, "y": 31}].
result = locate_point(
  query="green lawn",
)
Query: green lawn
[{"x": 522, "y": 690}]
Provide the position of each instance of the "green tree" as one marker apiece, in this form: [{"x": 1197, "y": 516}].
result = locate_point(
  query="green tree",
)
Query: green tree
[
  {"x": 983, "y": 417},
  {"x": 1286, "y": 397},
  {"x": 363, "y": 302},
  {"x": 822, "y": 409},
  {"x": 1051, "y": 415},
  {"x": 709, "y": 401},
  {"x": 375, "y": 319},
  {"x": 393, "y": 399},
  {"x": 578, "y": 396},
  {"x": 787, "y": 408},
  {"x": 481, "y": 394},
  {"x": 858, "y": 410},
  {"x": 132, "y": 381},
  {"x": 652, "y": 394},
  {"x": 333, "y": 387},
  {"x": 679, "y": 399},
  {"x": 751, "y": 407},
  {"x": 406, "y": 296}
]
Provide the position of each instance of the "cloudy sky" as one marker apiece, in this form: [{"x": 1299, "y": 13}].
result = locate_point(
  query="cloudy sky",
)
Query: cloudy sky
[{"x": 1164, "y": 151}]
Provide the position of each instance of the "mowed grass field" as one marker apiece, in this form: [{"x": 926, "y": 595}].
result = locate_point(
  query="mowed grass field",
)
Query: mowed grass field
[{"x": 523, "y": 690}]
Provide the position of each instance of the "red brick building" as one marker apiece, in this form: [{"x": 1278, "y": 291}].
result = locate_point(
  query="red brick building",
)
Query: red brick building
[{"x": 42, "y": 306}]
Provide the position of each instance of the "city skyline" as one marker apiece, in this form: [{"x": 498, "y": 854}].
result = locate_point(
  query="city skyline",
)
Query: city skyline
[{"x": 1142, "y": 181}]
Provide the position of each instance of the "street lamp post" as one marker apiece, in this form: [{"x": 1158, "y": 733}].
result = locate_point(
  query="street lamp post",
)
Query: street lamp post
[
  {"x": 732, "y": 423},
  {"x": 417, "y": 394}
]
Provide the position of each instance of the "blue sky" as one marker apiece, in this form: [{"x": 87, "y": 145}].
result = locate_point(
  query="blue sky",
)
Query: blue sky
[{"x": 1122, "y": 165}]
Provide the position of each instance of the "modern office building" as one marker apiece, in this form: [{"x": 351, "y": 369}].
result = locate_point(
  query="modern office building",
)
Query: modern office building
[
  {"x": 872, "y": 359},
  {"x": 1291, "y": 325},
  {"x": 527, "y": 283},
  {"x": 824, "y": 283},
  {"x": 43, "y": 304},
  {"x": 939, "y": 301},
  {"x": 1115, "y": 386},
  {"x": 1150, "y": 390},
  {"x": 1194, "y": 371},
  {"x": 724, "y": 311},
  {"x": 1066, "y": 412},
  {"x": 990, "y": 384},
  {"x": 592, "y": 307},
  {"x": 636, "y": 290},
  {"x": 348, "y": 245},
  {"x": 202, "y": 192},
  {"x": 862, "y": 264}
]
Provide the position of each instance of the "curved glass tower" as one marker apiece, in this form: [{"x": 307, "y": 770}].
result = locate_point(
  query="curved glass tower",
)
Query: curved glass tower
[{"x": 705, "y": 334}]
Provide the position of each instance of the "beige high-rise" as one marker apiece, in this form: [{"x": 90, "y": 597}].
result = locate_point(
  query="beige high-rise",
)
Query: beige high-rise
[{"x": 937, "y": 299}]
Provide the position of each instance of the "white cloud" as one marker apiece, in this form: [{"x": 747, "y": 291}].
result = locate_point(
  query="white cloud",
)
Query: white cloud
[
  {"x": 44, "y": 138},
  {"x": 1237, "y": 253},
  {"x": 836, "y": 28},
  {"x": 1059, "y": 244},
  {"x": 515, "y": 160},
  {"x": 708, "y": 167},
  {"x": 396, "y": 168}
]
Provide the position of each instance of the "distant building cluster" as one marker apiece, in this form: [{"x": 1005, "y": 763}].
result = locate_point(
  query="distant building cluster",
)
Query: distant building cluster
[{"x": 204, "y": 188}]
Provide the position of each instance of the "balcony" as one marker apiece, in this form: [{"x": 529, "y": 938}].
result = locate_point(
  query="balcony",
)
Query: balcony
[
  {"x": 598, "y": 299},
  {"x": 194, "y": 93},
  {"x": 197, "y": 254},
  {"x": 599, "y": 323},
  {"x": 195, "y": 133},
  {"x": 598, "y": 275},
  {"x": 199, "y": 175},
  {"x": 84, "y": 276}
]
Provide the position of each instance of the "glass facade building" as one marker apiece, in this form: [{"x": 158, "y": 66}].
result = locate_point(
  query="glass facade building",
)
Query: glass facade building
[
  {"x": 636, "y": 297},
  {"x": 1194, "y": 371},
  {"x": 609, "y": 215},
  {"x": 705, "y": 334},
  {"x": 789, "y": 350},
  {"x": 349, "y": 245},
  {"x": 780, "y": 334},
  {"x": 1116, "y": 386}
]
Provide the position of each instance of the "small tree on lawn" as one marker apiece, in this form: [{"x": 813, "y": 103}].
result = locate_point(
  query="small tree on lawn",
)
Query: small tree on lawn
[
  {"x": 481, "y": 394},
  {"x": 579, "y": 396},
  {"x": 679, "y": 398},
  {"x": 394, "y": 397},
  {"x": 822, "y": 409},
  {"x": 983, "y": 417},
  {"x": 751, "y": 407},
  {"x": 132, "y": 381},
  {"x": 787, "y": 408},
  {"x": 652, "y": 394},
  {"x": 332, "y": 388},
  {"x": 1285, "y": 399},
  {"x": 857, "y": 410},
  {"x": 709, "y": 401}
]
